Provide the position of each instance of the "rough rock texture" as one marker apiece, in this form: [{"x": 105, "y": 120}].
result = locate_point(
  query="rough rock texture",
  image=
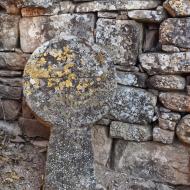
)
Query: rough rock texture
[
  {"x": 8, "y": 31},
  {"x": 163, "y": 136},
  {"x": 167, "y": 82},
  {"x": 150, "y": 16},
  {"x": 122, "y": 38},
  {"x": 70, "y": 84},
  {"x": 163, "y": 63},
  {"x": 175, "y": 101},
  {"x": 173, "y": 31},
  {"x": 117, "y": 5},
  {"x": 130, "y": 132},
  {"x": 133, "y": 105},
  {"x": 102, "y": 144},
  {"x": 152, "y": 161},
  {"x": 183, "y": 129},
  {"x": 36, "y": 30},
  {"x": 131, "y": 79},
  {"x": 167, "y": 124},
  {"x": 177, "y": 8}
]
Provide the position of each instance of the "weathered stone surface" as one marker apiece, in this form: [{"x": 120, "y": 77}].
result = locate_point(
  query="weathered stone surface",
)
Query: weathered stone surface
[
  {"x": 9, "y": 109},
  {"x": 15, "y": 82},
  {"x": 163, "y": 63},
  {"x": 172, "y": 116},
  {"x": 9, "y": 6},
  {"x": 163, "y": 136},
  {"x": 70, "y": 83},
  {"x": 11, "y": 128},
  {"x": 117, "y": 5},
  {"x": 167, "y": 124},
  {"x": 177, "y": 8},
  {"x": 183, "y": 129},
  {"x": 123, "y": 39},
  {"x": 36, "y": 30},
  {"x": 32, "y": 128},
  {"x": 167, "y": 82},
  {"x": 102, "y": 144},
  {"x": 153, "y": 161},
  {"x": 8, "y": 31},
  {"x": 10, "y": 92},
  {"x": 107, "y": 14},
  {"x": 170, "y": 48},
  {"x": 36, "y": 3},
  {"x": 175, "y": 101},
  {"x": 173, "y": 31},
  {"x": 155, "y": 16},
  {"x": 135, "y": 79},
  {"x": 133, "y": 105},
  {"x": 130, "y": 132},
  {"x": 13, "y": 61},
  {"x": 71, "y": 69},
  {"x": 7, "y": 73}
]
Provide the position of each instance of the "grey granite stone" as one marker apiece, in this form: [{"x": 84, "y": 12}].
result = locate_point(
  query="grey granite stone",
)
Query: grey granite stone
[{"x": 133, "y": 105}]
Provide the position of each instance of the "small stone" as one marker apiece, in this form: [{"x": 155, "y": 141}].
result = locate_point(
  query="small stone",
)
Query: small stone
[
  {"x": 33, "y": 128},
  {"x": 183, "y": 129},
  {"x": 12, "y": 61},
  {"x": 155, "y": 16},
  {"x": 8, "y": 32},
  {"x": 175, "y": 101},
  {"x": 177, "y": 8},
  {"x": 135, "y": 79},
  {"x": 36, "y": 30},
  {"x": 173, "y": 31},
  {"x": 163, "y": 136},
  {"x": 133, "y": 105},
  {"x": 107, "y": 14},
  {"x": 102, "y": 144},
  {"x": 167, "y": 82},
  {"x": 117, "y": 5},
  {"x": 7, "y": 73},
  {"x": 152, "y": 161},
  {"x": 163, "y": 63},
  {"x": 9, "y": 109},
  {"x": 167, "y": 124},
  {"x": 172, "y": 116},
  {"x": 10, "y": 7},
  {"x": 15, "y": 82},
  {"x": 130, "y": 132},
  {"x": 123, "y": 39},
  {"x": 170, "y": 48}
]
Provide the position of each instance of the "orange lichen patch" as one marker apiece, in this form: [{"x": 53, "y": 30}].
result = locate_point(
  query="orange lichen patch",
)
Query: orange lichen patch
[
  {"x": 33, "y": 11},
  {"x": 100, "y": 57}
]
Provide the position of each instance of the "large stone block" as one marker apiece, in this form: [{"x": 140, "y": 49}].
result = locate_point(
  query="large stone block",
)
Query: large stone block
[
  {"x": 177, "y": 8},
  {"x": 130, "y": 132},
  {"x": 152, "y": 161},
  {"x": 175, "y": 101},
  {"x": 163, "y": 63},
  {"x": 123, "y": 38},
  {"x": 9, "y": 31},
  {"x": 13, "y": 61},
  {"x": 133, "y": 105},
  {"x": 36, "y": 30},
  {"x": 117, "y": 5},
  {"x": 173, "y": 31}
]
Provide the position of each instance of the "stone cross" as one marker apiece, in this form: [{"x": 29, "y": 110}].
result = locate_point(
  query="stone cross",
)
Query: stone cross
[{"x": 70, "y": 84}]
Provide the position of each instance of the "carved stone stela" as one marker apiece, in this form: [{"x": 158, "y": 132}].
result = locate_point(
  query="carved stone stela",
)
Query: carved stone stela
[{"x": 70, "y": 84}]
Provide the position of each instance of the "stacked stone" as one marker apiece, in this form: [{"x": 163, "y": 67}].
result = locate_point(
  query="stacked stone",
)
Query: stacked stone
[{"x": 136, "y": 146}]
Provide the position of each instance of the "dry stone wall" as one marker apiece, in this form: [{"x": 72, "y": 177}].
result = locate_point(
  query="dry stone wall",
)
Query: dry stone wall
[{"x": 143, "y": 143}]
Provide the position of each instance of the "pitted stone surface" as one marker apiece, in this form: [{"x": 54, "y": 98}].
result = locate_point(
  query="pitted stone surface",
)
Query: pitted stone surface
[
  {"x": 123, "y": 38},
  {"x": 70, "y": 84}
]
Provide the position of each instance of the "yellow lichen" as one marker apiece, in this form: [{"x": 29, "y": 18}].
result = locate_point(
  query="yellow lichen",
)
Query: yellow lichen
[
  {"x": 68, "y": 83},
  {"x": 41, "y": 61}
]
